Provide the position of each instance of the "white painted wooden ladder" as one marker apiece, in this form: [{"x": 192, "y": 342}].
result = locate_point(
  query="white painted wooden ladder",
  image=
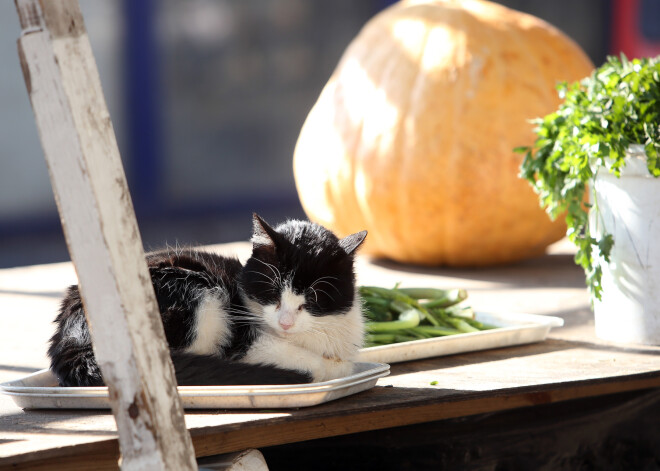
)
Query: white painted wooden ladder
[{"x": 102, "y": 235}]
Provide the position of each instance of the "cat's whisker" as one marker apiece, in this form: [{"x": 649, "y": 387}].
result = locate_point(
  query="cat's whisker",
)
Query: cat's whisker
[
  {"x": 329, "y": 283},
  {"x": 313, "y": 291},
  {"x": 235, "y": 312},
  {"x": 324, "y": 279},
  {"x": 327, "y": 277},
  {"x": 274, "y": 269},
  {"x": 270, "y": 279},
  {"x": 326, "y": 293},
  {"x": 264, "y": 282},
  {"x": 241, "y": 315},
  {"x": 246, "y": 317},
  {"x": 247, "y": 323}
]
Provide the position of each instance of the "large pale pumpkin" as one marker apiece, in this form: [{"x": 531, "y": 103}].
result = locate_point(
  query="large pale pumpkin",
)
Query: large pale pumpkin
[{"x": 412, "y": 138}]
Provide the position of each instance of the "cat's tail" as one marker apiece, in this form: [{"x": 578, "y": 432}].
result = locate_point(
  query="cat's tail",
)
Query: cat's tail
[
  {"x": 210, "y": 370},
  {"x": 70, "y": 351},
  {"x": 76, "y": 366}
]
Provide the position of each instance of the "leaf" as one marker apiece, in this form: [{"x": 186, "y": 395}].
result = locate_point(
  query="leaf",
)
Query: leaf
[{"x": 605, "y": 246}]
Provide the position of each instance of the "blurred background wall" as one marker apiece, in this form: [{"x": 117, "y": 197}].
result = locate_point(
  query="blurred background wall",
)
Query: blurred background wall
[{"x": 207, "y": 98}]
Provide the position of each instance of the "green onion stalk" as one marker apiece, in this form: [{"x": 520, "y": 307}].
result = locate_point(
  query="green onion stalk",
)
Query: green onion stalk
[{"x": 405, "y": 314}]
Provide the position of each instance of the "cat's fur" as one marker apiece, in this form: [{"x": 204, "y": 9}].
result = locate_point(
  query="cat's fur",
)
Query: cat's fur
[{"x": 290, "y": 315}]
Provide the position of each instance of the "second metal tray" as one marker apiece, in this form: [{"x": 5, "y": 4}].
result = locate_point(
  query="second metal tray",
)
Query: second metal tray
[{"x": 513, "y": 329}]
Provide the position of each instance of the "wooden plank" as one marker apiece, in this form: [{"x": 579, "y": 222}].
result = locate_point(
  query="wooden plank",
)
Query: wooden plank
[
  {"x": 380, "y": 408},
  {"x": 102, "y": 456},
  {"x": 387, "y": 413},
  {"x": 102, "y": 235}
]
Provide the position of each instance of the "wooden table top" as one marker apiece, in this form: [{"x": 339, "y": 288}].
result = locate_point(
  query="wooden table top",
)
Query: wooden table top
[{"x": 570, "y": 364}]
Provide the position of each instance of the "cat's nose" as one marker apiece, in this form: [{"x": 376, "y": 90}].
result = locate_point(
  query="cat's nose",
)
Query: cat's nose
[{"x": 286, "y": 320}]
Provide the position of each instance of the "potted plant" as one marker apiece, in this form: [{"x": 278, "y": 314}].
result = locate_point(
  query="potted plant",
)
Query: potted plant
[{"x": 596, "y": 160}]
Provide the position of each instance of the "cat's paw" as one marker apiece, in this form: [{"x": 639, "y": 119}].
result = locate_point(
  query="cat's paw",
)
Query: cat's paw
[{"x": 333, "y": 368}]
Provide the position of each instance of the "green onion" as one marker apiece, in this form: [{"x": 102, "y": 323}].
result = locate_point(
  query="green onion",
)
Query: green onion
[
  {"x": 407, "y": 314},
  {"x": 407, "y": 320}
]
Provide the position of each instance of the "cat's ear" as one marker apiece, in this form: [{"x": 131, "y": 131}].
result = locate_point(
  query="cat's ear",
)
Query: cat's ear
[
  {"x": 352, "y": 242},
  {"x": 262, "y": 233}
]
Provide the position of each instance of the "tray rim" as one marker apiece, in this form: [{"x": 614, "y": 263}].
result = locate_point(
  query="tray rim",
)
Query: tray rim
[
  {"x": 204, "y": 396},
  {"x": 287, "y": 397},
  {"x": 373, "y": 370}
]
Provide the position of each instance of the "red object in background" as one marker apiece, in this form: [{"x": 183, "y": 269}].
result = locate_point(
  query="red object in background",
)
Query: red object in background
[{"x": 636, "y": 28}]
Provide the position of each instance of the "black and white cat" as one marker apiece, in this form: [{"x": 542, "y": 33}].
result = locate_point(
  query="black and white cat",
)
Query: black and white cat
[{"x": 292, "y": 314}]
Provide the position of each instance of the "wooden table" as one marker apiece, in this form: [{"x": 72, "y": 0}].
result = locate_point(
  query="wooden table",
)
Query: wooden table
[{"x": 571, "y": 364}]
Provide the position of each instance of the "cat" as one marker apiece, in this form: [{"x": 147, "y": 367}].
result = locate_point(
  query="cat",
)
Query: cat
[{"x": 291, "y": 314}]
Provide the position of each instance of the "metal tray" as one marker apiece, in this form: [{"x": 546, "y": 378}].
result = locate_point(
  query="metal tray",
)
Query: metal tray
[
  {"x": 40, "y": 391},
  {"x": 514, "y": 329}
]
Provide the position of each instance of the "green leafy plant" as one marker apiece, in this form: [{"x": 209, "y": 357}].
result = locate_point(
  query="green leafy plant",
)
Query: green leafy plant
[{"x": 600, "y": 117}]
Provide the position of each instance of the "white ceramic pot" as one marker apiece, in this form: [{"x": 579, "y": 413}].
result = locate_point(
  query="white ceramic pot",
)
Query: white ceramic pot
[{"x": 629, "y": 208}]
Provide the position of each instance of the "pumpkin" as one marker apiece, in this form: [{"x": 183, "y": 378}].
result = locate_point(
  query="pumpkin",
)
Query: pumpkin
[{"x": 412, "y": 137}]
